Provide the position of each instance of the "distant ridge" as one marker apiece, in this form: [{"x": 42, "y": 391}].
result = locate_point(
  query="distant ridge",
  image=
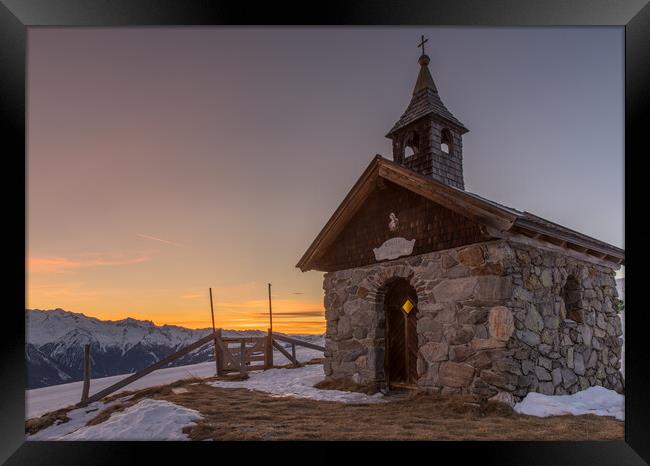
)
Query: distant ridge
[{"x": 55, "y": 341}]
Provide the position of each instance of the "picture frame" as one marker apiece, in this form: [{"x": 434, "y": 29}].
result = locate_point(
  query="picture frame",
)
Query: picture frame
[{"x": 16, "y": 16}]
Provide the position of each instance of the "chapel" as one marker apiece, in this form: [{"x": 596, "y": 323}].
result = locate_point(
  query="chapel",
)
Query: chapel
[{"x": 431, "y": 287}]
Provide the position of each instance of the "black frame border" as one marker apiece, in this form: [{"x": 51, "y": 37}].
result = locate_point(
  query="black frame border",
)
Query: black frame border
[{"x": 17, "y": 15}]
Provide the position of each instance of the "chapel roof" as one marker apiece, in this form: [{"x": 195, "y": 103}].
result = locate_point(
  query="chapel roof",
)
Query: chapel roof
[
  {"x": 425, "y": 101},
  {"x": 503, "y": 221}
]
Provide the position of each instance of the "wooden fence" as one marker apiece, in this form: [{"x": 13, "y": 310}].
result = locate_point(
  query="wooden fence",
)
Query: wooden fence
[{"x": 232, "y": 354}]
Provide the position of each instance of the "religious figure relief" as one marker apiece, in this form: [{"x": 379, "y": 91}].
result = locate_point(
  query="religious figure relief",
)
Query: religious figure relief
[
  {"x": 393, "y": 225},
  {"x": 394, "y": 248}
]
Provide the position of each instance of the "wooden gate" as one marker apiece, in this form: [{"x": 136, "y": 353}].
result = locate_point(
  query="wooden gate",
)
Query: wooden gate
[
  {"x": 239, "y": 354},
  {"x": 248, "y": 353}
]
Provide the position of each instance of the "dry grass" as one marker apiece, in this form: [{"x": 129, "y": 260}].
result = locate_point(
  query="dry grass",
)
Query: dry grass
[
  {"x": 106, "y": 413},
  {"x": 347, "y": 385},
  {"x": 33, "y": 425},
  {"x": 315, "y": 361},
  {"x": 152, "y": 392},
  {"x": 46, "y": 420},
  {"x": 233, "y": 377},
  {"x": 240, "y": 414}
]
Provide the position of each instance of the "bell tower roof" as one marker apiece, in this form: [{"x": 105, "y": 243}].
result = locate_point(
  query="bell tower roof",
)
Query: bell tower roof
[{"x": 425, "y": 101}]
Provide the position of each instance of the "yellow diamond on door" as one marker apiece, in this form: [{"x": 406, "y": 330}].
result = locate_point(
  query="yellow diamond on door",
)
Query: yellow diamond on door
[{"x": 407, "y": 306}]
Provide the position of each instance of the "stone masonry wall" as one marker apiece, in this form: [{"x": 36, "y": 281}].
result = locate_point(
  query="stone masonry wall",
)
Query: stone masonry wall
[
  {"x": 493, "y": 318},
  {"x": 567, "y": 330},
  {"x": 463, "y": 326}
]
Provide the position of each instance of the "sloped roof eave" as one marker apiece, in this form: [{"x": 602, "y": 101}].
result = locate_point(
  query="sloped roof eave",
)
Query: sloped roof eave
[{"x": 465, "y": 203}]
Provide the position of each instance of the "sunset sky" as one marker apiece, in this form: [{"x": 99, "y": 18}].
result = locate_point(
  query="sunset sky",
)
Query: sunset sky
[{"x": 163, "y": 161}]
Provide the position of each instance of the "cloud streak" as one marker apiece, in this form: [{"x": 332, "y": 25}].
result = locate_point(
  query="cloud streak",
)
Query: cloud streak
[
  {"x": 38, "y": 264},
  {"x": 292, "y": 314},
  {"x": 153, "y": 238}
]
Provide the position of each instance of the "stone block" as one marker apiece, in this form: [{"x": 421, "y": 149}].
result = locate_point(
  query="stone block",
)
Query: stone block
[
  {"x": 478, "y": 344},
  {"x": 455, "y": 374},
  {"x": 455, "y": 289},
  {"x": 428, "y": 325},
  {"x": 530, "y": 338},
  {"x": 361, "y": 318},
  {"x": 344, "y": 329},
  {"x": 480, "y": 331},
  {"x": 500, "y": 323},
  {"x": 472, "y": 255},
  {"x": 527, "y": 366},
  {"x": 578, "y": 364},
  {"x": 525, "y": 380},
  {"x": 546, "y": 278},
  {"x": 493, "y": 288},
  {"x": 504, "y": 397},
  {"x": 546, "y": 388},
  {"x": 534, "y": 320},
  {"x": 360, "y": 333},
  {"x": 434, "y": 352},
  {"x": 458, "y": 353},
  {"x": 493, "y": 378},
  {"x": 327, "y": 366},
  {"x": 544, "y": 362},
  {"x": 457, "y": 335},
  {"x": 446, "y": 315},
  {"x": 552, "y": 322},
  {"x": 448, "y": 261},
  {"x": 458, "y": 271},
  {"x": 556, "y": 376},
  {"x": 542, "y": 374},
  {"x": 481, "y": 388},
  {"x": 569, "y": 378},
  {"x": 478, "y": 316}
]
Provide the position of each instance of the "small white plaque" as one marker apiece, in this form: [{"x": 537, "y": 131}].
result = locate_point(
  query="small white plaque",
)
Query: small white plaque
[{"x": 394, "y": 248}]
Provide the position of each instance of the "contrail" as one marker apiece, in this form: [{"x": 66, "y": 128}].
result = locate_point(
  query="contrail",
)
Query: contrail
[{"x": 160, "y": 239}]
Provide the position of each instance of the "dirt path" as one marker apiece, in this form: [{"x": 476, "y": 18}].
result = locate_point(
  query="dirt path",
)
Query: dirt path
[{"x": 240, "y": 414}]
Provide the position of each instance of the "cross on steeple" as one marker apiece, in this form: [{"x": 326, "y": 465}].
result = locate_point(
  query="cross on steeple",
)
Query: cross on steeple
[{"x": 422, "y": 42}]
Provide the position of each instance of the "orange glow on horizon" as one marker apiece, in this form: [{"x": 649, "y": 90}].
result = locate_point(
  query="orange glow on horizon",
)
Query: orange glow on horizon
[{"x": 191, "y": 310}]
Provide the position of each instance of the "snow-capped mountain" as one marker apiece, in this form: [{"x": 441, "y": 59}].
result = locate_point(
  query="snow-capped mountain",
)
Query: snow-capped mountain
[{"x": 56, "y": 338}]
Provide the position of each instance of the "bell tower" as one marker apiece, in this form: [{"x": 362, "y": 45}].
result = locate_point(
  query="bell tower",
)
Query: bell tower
[{"x": 428, "y": 138}]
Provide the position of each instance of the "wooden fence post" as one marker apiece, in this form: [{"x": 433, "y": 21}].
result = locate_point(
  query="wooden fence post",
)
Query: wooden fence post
[
  {"x": 86, "y": 386},
  {"x": 216, "y": 350},
  {"x": 217, "y": 353},
  {"x": 269, "y": 350},
  {"x": 242, "y": 354},
  {"x": 293, "y": 351}
]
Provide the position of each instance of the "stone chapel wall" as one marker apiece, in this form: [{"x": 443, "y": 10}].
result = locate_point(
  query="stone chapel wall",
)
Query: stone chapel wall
[
  {"x": 463, "y": 326},
  {"x": 492, "y": 317},
  {"x": 567, "y": 329}
]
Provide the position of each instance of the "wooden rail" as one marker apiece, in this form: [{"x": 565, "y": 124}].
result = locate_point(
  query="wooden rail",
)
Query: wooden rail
[
  {"x": 286, "y": 353},
  {"x": 297, "y": 342},
  {"x": 162, "y": 363},
  {"x": 226, "y": 360}
]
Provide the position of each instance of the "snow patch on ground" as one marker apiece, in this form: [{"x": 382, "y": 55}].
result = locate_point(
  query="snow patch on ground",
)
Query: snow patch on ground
[
  {"x": 39, "y": 401},
  {"x": 42, "y": 400},
  {"x": 594, "y": 400},
  {"x": 297, "y": 383},
  {"x": 146, "y": 420},
  {"x": 78, "y": 418}
]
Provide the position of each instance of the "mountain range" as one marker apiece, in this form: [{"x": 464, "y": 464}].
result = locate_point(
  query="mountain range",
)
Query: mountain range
[{"x": 55, "y": 341}]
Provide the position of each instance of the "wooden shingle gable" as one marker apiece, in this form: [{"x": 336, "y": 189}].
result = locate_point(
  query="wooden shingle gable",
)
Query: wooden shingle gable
[{"x": 499, "y": 220}]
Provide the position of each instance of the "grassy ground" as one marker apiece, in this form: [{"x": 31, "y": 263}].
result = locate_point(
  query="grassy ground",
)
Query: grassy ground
[{"x": 240, "y": 414}]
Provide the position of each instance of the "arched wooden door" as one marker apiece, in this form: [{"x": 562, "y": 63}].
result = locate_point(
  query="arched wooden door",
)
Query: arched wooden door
[{"x": 401, "y": 333}]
